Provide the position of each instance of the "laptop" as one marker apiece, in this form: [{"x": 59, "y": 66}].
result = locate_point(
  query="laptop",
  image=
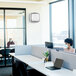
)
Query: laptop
[{"x": 57, "y": 65}]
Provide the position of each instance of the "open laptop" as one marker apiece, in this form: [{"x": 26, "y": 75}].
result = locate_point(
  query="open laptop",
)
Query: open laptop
[{"x": 57, "y": 65}]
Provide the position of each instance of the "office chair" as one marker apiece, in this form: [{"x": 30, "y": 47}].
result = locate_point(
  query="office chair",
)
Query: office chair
[{"x": 2, "y": 55}]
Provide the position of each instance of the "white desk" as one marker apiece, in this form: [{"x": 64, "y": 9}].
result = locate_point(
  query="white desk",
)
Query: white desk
[{"x": 38, "y": 65}]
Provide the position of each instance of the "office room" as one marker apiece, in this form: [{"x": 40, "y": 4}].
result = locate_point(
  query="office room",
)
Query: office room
[{"x": 37, "y": 38}]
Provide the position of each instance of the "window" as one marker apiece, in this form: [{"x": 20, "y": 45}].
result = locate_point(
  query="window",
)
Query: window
[{"x": 59, "y": 21}]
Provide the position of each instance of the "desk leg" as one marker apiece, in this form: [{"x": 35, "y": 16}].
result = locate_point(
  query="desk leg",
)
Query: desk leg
[{"x": 12, "y": 65}]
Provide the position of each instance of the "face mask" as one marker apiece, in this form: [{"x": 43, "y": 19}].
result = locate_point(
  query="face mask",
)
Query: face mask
[{"x": 66, "y": 46}]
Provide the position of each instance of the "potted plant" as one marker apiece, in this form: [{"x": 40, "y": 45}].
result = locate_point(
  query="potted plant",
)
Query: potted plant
[{"x": 46, "y": 54}]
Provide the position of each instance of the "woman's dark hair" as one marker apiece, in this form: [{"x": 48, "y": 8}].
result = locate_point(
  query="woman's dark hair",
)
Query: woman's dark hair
[{"x": 69, "y": 40}]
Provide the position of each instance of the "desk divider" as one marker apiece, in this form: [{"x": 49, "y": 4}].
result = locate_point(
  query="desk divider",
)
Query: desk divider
[{"x": 69, "y": 59}]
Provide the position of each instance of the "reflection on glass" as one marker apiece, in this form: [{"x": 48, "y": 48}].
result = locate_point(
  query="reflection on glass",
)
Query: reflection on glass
[
  {"x": 59, "y": 22},
  {"x": 2, "y": 53},
  {"x": 1, "y": 23},
  {"x": 14, "y": 28},
  {"x": 15, "y": 24},
  {"x": 1, "y": 19},
  {"x": 16, "y": 35},
  {"x": 11, "y": 23},
  {"x": 1, "y": 29},
  {"x": 15, "y": 18},
  {"x": 1, "y": 38}
]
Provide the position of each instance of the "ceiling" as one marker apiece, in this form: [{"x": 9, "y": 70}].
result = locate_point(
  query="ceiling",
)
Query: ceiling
[
  {"x": 23, "y": 0},
  {"x": 29, "y": 0}
]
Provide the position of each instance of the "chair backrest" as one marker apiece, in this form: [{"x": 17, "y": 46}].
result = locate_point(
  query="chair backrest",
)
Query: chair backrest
[{"x": 2, "y": 52}]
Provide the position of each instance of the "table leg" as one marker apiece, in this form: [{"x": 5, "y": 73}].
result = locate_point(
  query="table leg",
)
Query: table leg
[{"x": 12, "y": 65}]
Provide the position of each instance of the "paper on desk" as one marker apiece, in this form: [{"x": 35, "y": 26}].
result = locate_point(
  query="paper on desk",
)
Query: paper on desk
[{"x": 47, "y": 64}]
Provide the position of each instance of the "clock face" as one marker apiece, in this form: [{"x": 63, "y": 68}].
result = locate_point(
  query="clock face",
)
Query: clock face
[{"x": 35, "y": 17}]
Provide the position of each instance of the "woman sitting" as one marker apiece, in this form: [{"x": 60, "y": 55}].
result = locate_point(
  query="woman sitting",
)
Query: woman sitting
[{"x": 68, "y": 45}]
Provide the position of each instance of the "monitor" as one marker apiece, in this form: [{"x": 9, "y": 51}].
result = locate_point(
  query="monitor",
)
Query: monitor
[{"x": 49, "y": 45}]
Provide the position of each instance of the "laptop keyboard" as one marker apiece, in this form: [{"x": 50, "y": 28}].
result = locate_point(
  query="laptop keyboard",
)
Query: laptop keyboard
[{"x": 52, "y": 68}]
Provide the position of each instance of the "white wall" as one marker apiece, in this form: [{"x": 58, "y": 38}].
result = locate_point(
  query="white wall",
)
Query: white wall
[
  {"x": 45, "y": 23},
  {"x": 33, "y": 29},
  {"x": 37, "y": 33}
]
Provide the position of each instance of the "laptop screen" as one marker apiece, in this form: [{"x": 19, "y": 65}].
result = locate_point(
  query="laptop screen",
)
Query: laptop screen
[{"x": 58, "y": 63}]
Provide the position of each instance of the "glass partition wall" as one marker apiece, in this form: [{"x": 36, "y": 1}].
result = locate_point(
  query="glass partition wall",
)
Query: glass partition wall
[
  {"x": 2, "y": 52},
  {"x": 12, "y": 27}
]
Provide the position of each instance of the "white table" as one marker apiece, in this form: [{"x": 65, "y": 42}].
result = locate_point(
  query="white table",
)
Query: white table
[{"x": 39, "y": 65}]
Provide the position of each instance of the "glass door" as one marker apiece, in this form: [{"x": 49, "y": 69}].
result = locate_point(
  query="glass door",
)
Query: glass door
[
  {"x": 12, "y": 32},
  {"x": 2, "y": 52},
  {"x": 14, "y": 29}
]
